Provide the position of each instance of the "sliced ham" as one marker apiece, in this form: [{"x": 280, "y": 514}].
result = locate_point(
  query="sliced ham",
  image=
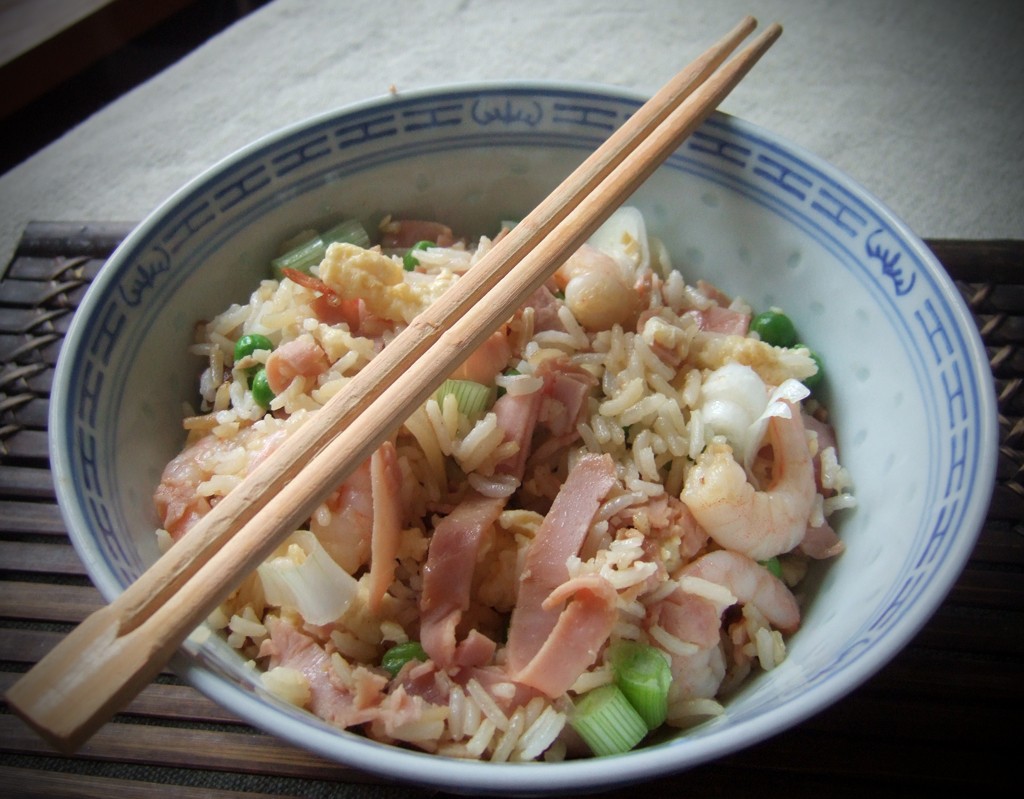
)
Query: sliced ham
[
  {"x": 386, "y": 532},
  {"x": 448, "y": 573},
  {"x": 300, "y": 357},
  {"x": 564, "y": 384},
  {"x": 821, "y": 542},
  {"x": 545, "y": 310},
  {"x": 404, "y": 233},
  {"x": 420, "y": 679},
  {"x": 559, "y": 536},
  {"x": 338, "y": 704},
  {"x": 569, "y": 385},
  {"x": 718, "y": 319},
  {"x": 476, "y": 649},
  {"x": 517, "y": 416},
  {"x": 578, "y": 635},
  {"x": 826, "y": 437}
]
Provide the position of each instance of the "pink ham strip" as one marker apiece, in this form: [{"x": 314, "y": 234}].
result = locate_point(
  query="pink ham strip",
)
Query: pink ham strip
[
  {"x": 560, "y": 536},
  {"x": 386, "y": 536},
  {"x": 475, "y": 650},
  {"x": 579, "y": 632},
  {"x": 821, "y": 542},
  {"x": 448, "y": 573},
  {"x": 545, "y": 310},
  {"x": 717, "y": 319},
  {"x": 569, "y": 385},
  {"x": 336, "y": 704},
  {"x": 292, "y": 359},
  {"x": 517, "y": 417},
  {"x": 402, "y": 233}
]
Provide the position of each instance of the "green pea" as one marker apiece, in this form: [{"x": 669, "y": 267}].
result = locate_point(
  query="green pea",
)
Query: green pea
[
  {"x": 814, "y": 380},
  {"x": 409, "y": 260},
  {"x": 249, "y": 343},
  {"x": 261, "y": 391},
  {"x": 774, "y": 327},
  {"x": 400, "y": 654}
]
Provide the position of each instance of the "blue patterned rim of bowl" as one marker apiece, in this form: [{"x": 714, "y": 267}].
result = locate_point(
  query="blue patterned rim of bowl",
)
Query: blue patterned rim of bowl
[{"x": 949, "y": 365}]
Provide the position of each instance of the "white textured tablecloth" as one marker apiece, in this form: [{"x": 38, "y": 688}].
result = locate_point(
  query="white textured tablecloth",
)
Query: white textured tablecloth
[{"x": 921, "y": 101}]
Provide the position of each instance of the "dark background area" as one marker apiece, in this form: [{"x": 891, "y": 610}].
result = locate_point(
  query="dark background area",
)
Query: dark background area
[{"x": 73, "y": 75}]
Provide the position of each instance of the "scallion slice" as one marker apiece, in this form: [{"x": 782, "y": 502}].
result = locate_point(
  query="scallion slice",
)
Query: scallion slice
[
  {"x": 773, "y": 565},
  {"x": 643, "y": 675},
  {"x": 473, "y": 398},
  {"x": 311, "y": 252},
  {"x": 607, "y": 722}
]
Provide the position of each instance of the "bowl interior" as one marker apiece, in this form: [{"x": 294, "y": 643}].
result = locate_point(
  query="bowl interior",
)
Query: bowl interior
[{"x": 908, "y": 382}]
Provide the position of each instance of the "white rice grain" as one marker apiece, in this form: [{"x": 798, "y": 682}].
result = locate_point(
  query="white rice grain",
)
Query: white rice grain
[
  {"x": 540, "y": 735},
  {"x": 690, "y": 711},
  {"x": 698, "y": 586},
  {"x": 457, "y": 713},
  {"x": 519, "y": 385},
  {"x": 671, "y": 643},
  {"x": 287, "y": 684},
  {"x": 480, "y": 739},
  {"x": 630, "y": 394},
  {"x": 589, "y": 680},
  {"x": 487, "y": 704},
  {"x": 510, "y": 738},
  {"x": 498, "y": 485}
]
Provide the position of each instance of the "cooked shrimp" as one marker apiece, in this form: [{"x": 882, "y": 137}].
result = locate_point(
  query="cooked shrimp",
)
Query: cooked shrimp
[
  {"x": 697, "y": 660},
  {"x": 757, "y": 523},
  {"x": 344, "y": 523},
  {"x": 299, "y": 357},
  {"x": 177, "y": 503},
  {"x": 750, "y": 583},
  {"x": 188, "y": 488},
  {"x": 697, "y": 676},
  {"x": 597, "y": 290},
  {"x": 487, "y": 361}
]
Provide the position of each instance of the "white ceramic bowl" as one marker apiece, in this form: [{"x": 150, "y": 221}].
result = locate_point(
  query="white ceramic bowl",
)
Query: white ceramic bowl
[{"x": 908, "y": 382}]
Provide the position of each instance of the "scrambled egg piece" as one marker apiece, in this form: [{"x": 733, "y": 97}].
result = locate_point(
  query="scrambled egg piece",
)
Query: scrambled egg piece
[
  {"x": 380, "y": 282},
  {"x": 772, "y": 364}
]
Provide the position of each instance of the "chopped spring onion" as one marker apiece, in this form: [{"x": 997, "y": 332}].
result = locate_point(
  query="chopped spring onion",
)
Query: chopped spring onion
[
  {"x": 400, "y": 654},
  {"x": 607, "y": 722},
  {"x": 473, "y": 398},
  {"x": 302, "y": 576},
  {"x": 311, "y": 252},
  {"x": 409, "y": 260},
  {"x": 772, "y": 565},
  {"x": 643, "y": 675}
]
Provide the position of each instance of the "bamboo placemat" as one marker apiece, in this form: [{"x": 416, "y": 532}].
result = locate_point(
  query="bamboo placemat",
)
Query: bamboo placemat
[{"x": 935, "y": 718}]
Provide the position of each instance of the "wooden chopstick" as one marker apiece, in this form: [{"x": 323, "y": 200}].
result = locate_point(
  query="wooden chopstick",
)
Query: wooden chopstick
[{"x": 117, "y": 650}]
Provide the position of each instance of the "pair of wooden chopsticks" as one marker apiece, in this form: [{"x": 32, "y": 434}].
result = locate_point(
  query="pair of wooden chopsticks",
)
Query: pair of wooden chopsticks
[{"x": 118, "y": 649}]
